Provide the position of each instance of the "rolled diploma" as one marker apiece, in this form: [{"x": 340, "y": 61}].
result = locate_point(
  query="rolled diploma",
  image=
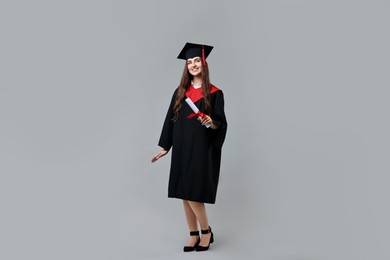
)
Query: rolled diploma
[{"x": 194, "y": 108}]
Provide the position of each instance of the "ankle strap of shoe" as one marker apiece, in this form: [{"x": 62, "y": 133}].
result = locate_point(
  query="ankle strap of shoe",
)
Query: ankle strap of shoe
[
  {"x": 194, "y": 233},
  {"x": 206, "y": 231}
]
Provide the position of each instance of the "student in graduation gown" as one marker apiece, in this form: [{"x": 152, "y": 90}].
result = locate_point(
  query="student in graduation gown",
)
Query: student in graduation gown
[{"x": 196, "y": 140}]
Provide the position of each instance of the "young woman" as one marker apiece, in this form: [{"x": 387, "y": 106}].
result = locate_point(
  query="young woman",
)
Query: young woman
[{"x": 196, "y": 140}]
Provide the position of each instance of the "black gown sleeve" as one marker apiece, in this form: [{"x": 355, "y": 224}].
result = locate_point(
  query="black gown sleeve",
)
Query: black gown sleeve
[
  {"x": 219, "y": 119},
  {"x": 167, "y": 130}
]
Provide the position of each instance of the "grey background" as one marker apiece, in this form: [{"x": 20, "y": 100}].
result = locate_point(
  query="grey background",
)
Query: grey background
[{"x": 84, "y": 90}]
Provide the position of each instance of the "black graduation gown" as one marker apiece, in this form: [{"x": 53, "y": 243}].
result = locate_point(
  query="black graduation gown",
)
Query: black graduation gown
[{"x": 196, "y": 150}]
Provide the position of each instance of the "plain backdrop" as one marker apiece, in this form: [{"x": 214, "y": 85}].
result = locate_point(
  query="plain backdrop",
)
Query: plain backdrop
[{"x": 84, "y": 88}]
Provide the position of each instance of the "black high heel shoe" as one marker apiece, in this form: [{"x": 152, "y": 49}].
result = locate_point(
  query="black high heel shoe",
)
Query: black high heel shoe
[
  {"x": 192, "y": 248},
  {"x": 204, "y": 248}
]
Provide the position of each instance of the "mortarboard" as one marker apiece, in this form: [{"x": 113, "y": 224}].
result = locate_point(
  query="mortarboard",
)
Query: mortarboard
[{"x": 191, "y": 50}]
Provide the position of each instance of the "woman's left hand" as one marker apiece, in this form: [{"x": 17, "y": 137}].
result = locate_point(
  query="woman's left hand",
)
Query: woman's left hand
[{"x": 207, "y": 120}]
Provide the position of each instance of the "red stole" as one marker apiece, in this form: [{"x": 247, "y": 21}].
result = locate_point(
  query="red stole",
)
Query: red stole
[{"x": 196, "y": 94}]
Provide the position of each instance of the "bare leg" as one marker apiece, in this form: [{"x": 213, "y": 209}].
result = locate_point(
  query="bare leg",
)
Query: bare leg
[
  {"x": 199, "y": 210},
  {"x": 192, "y": 223}
]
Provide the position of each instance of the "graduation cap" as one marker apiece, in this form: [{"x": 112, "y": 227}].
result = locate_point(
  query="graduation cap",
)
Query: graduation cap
[{"x": 191, "y": 50}]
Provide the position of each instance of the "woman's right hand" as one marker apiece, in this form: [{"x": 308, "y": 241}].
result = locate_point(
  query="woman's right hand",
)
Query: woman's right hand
[{"x": 159, "y": 155}]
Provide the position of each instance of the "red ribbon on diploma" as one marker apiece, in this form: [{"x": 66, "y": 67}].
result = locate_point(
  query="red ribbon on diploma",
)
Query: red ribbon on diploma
[{"x": 197, "y": 114}]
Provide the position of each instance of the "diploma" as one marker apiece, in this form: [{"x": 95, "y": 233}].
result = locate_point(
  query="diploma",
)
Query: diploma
[{"x": 196, "y": 110}]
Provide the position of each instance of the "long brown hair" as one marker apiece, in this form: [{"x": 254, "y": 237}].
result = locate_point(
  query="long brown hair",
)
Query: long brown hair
[{"x": 185, "y": 82}]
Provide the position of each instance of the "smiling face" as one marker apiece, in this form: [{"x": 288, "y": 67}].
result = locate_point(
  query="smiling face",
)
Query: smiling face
[{"x": 194, "y": 66}]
